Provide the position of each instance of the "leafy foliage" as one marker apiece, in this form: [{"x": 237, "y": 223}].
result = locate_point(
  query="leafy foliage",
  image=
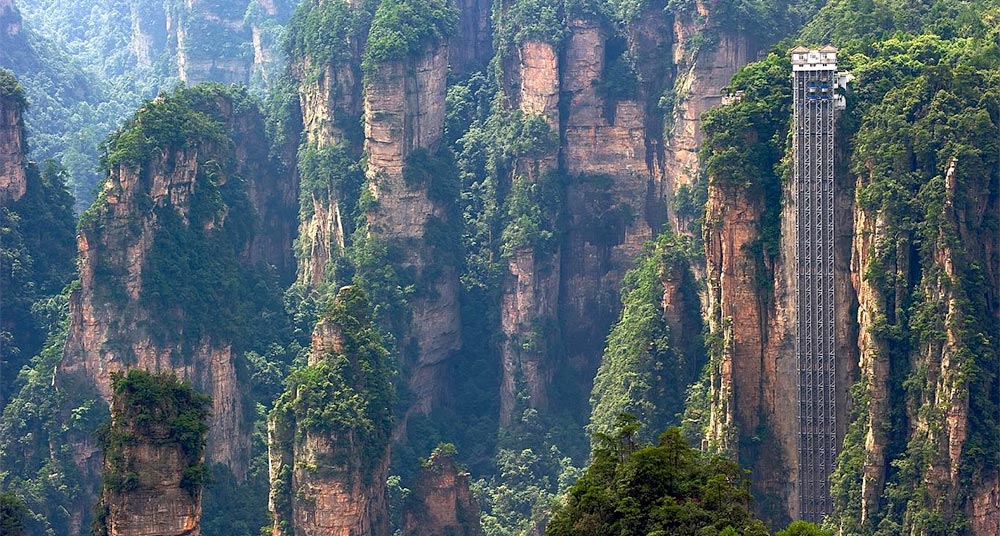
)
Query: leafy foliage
[
  {"x": 938, "y": 123},
  {"x": 37, "y": 247},
  {"x": 13, "y": 513},
  {"x": 349, "y": 389},
  {"x": 402, "y": 28},
  {"x": 144, "y": 403},
  {"x": 150, "y": 409},
  {"x": 39, "y": 417},
  {"x": 669, "y": 488},
  {"x": 326, "y": 33},
  {"x": 647, "y": 366}
]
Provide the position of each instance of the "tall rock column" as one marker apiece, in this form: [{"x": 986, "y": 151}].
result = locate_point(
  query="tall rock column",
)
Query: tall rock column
[
  {"x": 442, "y": 502},
  {"x": 13, "y": 177},
  {"x": 615, "y": 183},
  {"x": 530, "y": 299},
  {"x": 172, "y": 256},
  {"x": 703, "y": 70},
  {"x": 153, "y": 464},
  {"x": 328, "y": 436},
  {"x": 409, "y": 182},
  {"x": 330, "y": 97}
]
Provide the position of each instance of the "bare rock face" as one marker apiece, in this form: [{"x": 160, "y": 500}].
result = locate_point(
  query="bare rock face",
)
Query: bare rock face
[
  {"x": 702, "y": 72},
  {"x": 13, "y": 177},
  {"x": 613, "y": 195},
  {"x": 442, "y": 502},
  {"x": 332, "y": 500},
  {"x": 209, "y": 41},
  {"x": 158, "y": 506},
  {"x": 472, "y": 46},
  {"x": 530, "y": 299},
  {"x": 330, "y": 97},
  {"x": 404, "y": 113}
]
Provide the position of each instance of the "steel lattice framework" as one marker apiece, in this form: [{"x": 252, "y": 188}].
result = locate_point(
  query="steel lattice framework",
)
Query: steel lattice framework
[{"x": 815, "y": 103}]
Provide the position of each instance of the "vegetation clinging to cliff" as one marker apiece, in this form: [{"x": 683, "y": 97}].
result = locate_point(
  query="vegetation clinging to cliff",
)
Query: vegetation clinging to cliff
[
  {"x": 36, "y": 251},
  {"x": 647, "y": 367},
  {"x": 348, "y": 390},
  {"x": 10, "y": 88},
  {"x": 160, "y": 409},
  {"x": 402, "y": 28},
  {"x": 927, "y": 158}
]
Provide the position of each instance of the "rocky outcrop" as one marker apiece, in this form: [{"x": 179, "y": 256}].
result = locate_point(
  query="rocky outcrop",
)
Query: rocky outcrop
[
  {"x": 152, "y": 464},
  {"x": 751, "y": 318},
  {"x": 941, "y": 403},
  {"x": 13, "y": 177},
  {"x": 10, "y": 22},
  {"x": 404, "y": 123},
  {"x": 330, "y": 96},
  {"x": 614, "y": 192},
  {"x": 472, "y": 45},
  {"x": 702, "y": 72},
  {"x": 530, "y": 300},
  {"x": 188, "y": 215},
  {"x": 441, "y": 502},
  {"x": 328, "y": 477}
]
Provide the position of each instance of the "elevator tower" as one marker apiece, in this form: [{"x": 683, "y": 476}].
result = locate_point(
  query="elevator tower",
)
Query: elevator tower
[{"x": 816, "y": 101}]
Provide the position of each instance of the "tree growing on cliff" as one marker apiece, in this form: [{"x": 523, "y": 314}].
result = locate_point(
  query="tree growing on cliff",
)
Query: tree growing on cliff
[{"x": 153, "y": 416}]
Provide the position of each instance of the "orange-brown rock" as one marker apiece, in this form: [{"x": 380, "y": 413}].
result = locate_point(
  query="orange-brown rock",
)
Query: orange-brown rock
[
  {"x": 146, "y": 490},
  {"x": 404, "y": 112},
  {"x": 330, "y": 97},
  {"x": 701, "y": 74},
  {"x": 530, "y": 300},
  {"x": 328, "y": 478},
  {"x": 938, "y": 410},
  {"x": 115, "y": 326},
  {"x": 441, "y": 502}
]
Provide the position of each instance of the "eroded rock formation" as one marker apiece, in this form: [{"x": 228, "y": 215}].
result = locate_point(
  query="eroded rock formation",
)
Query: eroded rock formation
[
  {"x": 13, "y": 178},
  {"x": 165, "y": 254},
  {"x": 404, "y": 123},
  {"x": 153, "y": 469},
  {"x": 327, "y": 471},
  {"x": 442, "y": 502}
]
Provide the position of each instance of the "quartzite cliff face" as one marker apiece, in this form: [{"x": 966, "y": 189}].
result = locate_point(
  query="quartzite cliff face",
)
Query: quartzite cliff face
[
  {"x": 13, "y": 161},
  {"x": 153, "y": 466},
  {"x": 404, "y": 114},
  {"x": 622, "y": 156},
  {"x": 202, "y": 202}
]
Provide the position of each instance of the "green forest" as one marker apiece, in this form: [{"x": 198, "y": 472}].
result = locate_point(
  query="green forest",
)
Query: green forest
[{"x": 496, "y": 268}]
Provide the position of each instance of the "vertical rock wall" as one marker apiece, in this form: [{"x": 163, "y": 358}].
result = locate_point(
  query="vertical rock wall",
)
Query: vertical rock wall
[
  {"x": 330, "y": 96},
  {"x": 442, "y": 502},
  {"x": 116, "y": 324},
  {"x": 152, "y": 463},
  {"x": 404, "y": 113},
  {"x": 13, "y": 177},
  {"x": 530, "y": 299},
  {"x": 328, "y": 476}
]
